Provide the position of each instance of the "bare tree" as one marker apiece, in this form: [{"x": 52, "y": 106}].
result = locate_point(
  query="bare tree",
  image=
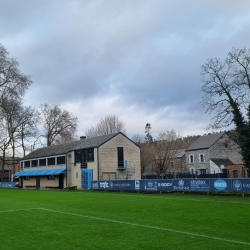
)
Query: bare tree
[
  {"x": 138, "y": 138},
  {"x": 58, "y": 124},
  {"x": 29, "y": 118},
  {"x": 226, "y": 88},
  {"x": 164, "y": 150},
  {"x": 108, "y": 125},
  {"x": 13, "y": 83},
  {"x": 8, "y": 127}
]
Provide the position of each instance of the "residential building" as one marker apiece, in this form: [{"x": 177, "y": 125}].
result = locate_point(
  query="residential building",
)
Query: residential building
[
  {"x": 212, "y": 154},
  {"x": 178, "y": 162}
]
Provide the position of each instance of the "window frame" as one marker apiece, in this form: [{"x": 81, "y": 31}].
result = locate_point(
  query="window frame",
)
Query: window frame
[
  {"x": 58, "y": 158},
  {"x": 25, "y": 164},
  {"x": 51, "y": 177},
  {"x": 50, "y": 159},
  {"x": 191, "y": 157},
  {"x": 85, "y": 155},
  {"x": 120, "y": 158},
  {"x": 45, "y": 162},
  {"x": 34, "y": 165},
  {"x": 200, "y": 158}
]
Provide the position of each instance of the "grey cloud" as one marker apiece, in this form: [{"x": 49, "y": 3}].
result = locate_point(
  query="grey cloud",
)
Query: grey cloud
[{"x": 149, "y": 53}]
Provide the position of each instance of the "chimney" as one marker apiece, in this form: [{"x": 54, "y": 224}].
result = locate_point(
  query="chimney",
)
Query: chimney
[{"x": 82, "y": 137}]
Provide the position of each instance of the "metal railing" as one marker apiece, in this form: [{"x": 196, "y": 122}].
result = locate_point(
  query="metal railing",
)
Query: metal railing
[{"x": 185, "y": 175}]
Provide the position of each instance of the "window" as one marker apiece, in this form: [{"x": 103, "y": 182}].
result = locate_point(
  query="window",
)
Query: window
[
  {"x": 51, "y": 161},
  {"x": 51, "y": 177},
  {"x": 27, "y": 164},
  {"x": 78, "y": 156},
  {"x": 21, "y": 164},
  {"x": 172, "y": 164},
  {"x": 191, "y": 159},
  {"x": 192, "y": 170},
  {"x": 201, "y": 158},
  {"x": 27, "y": 178},
  {"x": 90, "y": 154},
  {"x": 34, "y": 163},
  {"x": 76, "y": 174},
  {"x": 84, "y": 156},
  {"x": 120, "y": 157},
  {"x": 60, "y": 160},
  {"x": 225, "y": 145},
  {"x": 42, "y": 162}
]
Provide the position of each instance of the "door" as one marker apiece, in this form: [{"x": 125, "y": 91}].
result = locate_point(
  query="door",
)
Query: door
[
  {"x": 235, "y": 172},
  {"x": 86, "y": 178},
  {"x": 61, "y": 181},
  {"x": 38, "y": 182}
]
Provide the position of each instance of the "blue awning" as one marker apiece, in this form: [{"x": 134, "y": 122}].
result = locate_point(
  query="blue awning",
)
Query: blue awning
[{"x": 41, "y": 172}]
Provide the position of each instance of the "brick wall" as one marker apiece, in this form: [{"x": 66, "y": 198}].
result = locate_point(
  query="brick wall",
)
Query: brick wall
[{"x": 242, "y": 171}]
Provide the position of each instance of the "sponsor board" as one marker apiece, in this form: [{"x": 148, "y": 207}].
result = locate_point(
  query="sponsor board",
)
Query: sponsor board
[
  {"x": 94, "y": 185},
  {"x": 181, "y": 185},
  {"x": 241, "y": 185},
  {"x": 225, "y": 185},
  {"x": 199, "y": 184},
  {"x": 150, "y": 185},
  {"x": 117, "y": 185},
  {"x": 165, "y": 185},
  {"x": 220, "y": 185},
  {"x": 7, "y": 184},
  {"x": 137, "y": 185},
  {"x": 104, "y": 184}
]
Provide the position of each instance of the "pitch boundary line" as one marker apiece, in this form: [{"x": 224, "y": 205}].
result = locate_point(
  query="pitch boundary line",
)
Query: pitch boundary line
[
  {"x": 17, "y": 210},
  {"x": 146, "y": 226},
  {"x": 129, "y": 223}
]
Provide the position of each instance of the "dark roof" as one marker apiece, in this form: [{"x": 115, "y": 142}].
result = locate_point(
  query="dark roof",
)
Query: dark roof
[
  {"x": 66, "y": 147},
  {"x": 222, "y": 161},
  {"x": 205, "y": 141},
  {"x": 179, "y": 153}
]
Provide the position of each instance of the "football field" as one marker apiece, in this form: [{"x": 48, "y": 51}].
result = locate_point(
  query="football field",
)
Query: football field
[{"x": 36, "y": 219}]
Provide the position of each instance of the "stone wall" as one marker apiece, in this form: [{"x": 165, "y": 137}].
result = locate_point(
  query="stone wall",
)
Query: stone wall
[
  {"x": 197, "y": 164},
  {"x": 108, "y": 158},
  {"x": 226, "y": 148}
]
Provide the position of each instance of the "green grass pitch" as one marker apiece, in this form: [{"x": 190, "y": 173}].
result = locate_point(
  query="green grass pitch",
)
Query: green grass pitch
[{"x": 36, "y": 219}]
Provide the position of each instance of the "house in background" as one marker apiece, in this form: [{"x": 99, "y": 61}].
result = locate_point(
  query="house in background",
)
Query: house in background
[
  {"x": 212, "y": 154},
  {"x": 178, "y": 162},
  {"x": 108, "y": 157},
  {"x": 10, "y": 168}
]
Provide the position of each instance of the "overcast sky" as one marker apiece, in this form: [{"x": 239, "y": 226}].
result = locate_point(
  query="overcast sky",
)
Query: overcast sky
[{"x": 137, "y": 59}]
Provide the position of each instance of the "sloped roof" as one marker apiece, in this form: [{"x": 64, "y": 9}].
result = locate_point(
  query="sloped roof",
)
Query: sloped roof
[
  {"x": 179, "y": 153},
  {"x": 205, "y": 141},
  {"x": 222, "y": 161},
  {"x": 66, "y": 147}
]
